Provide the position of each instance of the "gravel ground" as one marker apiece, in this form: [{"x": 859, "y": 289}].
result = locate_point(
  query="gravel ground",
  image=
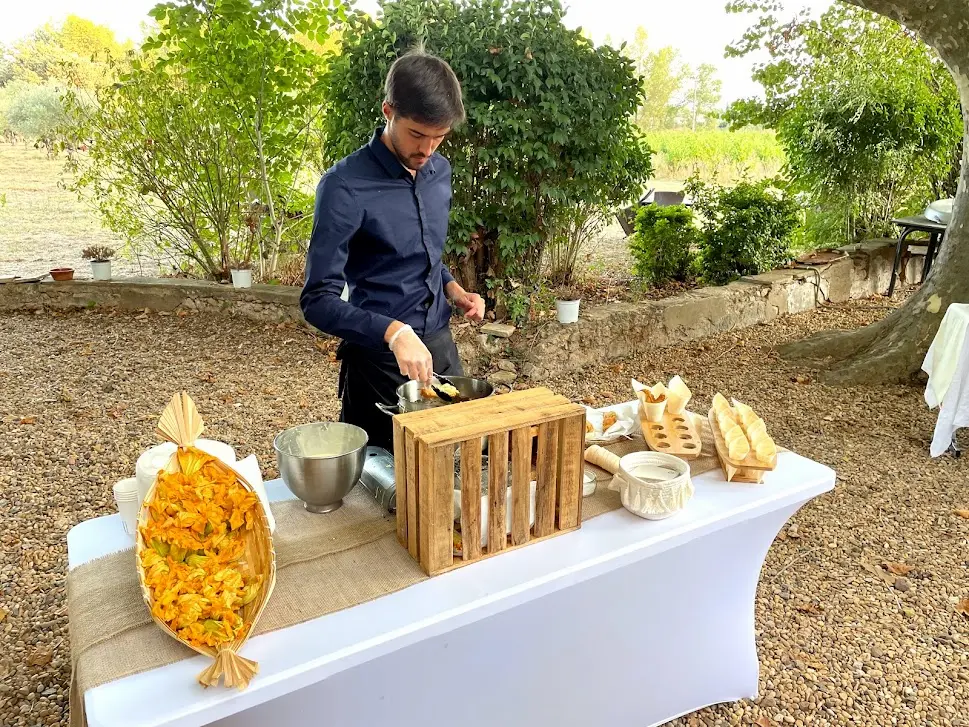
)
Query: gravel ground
[{"x": 841, "y": 640}]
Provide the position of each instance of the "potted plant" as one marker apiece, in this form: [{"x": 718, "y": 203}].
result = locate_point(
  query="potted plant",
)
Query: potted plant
[
  {"x": 567, "y": 300},
  {"x": 241, "y": 273},
  {"x": 100, "y": 257}
]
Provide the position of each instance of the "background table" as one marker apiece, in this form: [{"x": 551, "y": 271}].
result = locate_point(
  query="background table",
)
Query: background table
[
  {"x": 918, "y": 223},
  {"x": 626, "y": 623}
]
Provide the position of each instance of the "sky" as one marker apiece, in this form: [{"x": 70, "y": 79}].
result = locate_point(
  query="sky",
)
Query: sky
[{"x": 700, "y": 29}]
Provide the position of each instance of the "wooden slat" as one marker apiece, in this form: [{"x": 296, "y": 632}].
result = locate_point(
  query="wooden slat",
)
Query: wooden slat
[
  {"x": 415, "y": 420},
  {"x": 527, "y": 416},
  {"x": 436, "y": 507},
  {"x": 471, "y": 498},
  {"x": 497, "y": 491},
  {"x": 521, "y": 460},
  {"x": 400, "y": 478},
  {"x": 548, "y": 443},
  {"x": 459, "y": 563},
  {"x": 570, "y": 470},
  {"x": 412, "y": 478},
  {"x": 475, "y": 421}
]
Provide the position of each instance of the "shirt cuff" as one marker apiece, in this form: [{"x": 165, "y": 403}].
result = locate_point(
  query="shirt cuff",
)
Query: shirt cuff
[{"x": 447, "y": 277}]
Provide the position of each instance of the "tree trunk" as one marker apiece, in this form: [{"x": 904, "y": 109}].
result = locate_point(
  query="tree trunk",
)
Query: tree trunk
[{"x": 893, "y": 348}]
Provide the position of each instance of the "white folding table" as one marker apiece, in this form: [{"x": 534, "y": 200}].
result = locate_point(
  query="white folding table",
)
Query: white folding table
[{"x": 625, "y": 622}]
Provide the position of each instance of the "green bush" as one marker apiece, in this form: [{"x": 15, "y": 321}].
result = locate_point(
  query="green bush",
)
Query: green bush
[
  {"x": 664, "y": 243},
  {"x": 747, "y": 229}
]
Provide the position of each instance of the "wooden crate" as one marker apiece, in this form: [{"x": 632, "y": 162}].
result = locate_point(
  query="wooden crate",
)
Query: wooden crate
[{"x": 425, "y": 443}]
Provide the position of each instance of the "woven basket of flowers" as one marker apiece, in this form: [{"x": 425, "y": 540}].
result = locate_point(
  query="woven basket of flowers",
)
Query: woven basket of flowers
[{"x": 204, "y": 551}]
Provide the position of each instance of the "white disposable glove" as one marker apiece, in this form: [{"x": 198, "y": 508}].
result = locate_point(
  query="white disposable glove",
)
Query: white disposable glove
[{"x": 413, "y": 358}]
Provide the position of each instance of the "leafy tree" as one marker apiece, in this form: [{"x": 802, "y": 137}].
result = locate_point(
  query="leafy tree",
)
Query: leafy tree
[
  {"x": 77, "y": 53},
  {"x": 33, "y": 112},
  {"x": 265, "y": 82},
  {"x": 894, "y": 348},
  {"x": 664, "y": 76},
  {"x": 702, "y": 96},
  {"x": 549, "y": 121},
  {"x": 868, "y": 114},
  {"x": 163, "y": 171}
]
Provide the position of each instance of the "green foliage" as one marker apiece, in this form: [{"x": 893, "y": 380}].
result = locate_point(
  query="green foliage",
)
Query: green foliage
[
  {"x": 868, "y": 114},
  {"x": 77, "y": 53},
  {"x": 674, "y": 95},
  {"x": 549, "y": 120},
  {"x": 747, "y": 229},
  {"x": 576, "y": 226},
  {"x": 716, "y": 154},
  {"x": 664, "y": 244},
  {"x": 162, "y": 171},
  {"x": 264, "y": 79},
  {"x": 31, "y": 111}
]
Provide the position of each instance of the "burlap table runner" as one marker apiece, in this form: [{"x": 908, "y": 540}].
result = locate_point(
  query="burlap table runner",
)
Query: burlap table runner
[{"x": 323, "y": 564}]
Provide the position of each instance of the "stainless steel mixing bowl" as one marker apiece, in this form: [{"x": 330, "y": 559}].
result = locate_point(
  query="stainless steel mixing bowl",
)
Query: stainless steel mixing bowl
[{"x": 320, "y": 462}]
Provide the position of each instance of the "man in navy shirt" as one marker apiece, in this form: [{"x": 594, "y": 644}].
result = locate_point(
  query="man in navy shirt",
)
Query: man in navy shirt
[{"x": 379, "y": 226}]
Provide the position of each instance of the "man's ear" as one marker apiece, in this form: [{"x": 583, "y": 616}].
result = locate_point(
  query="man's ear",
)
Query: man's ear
[{"x": 388, "y": 112}]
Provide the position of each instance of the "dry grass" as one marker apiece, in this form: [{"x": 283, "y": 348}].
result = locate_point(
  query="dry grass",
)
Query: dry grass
[{"x": 43, "y": 224}]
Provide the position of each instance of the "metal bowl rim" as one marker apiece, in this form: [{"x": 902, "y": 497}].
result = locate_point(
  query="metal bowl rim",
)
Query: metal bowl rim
[{"x": 366, "y": 440}]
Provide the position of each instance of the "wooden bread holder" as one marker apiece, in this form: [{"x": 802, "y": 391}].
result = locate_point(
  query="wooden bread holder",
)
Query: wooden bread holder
[
  {"x": 750, "y": 469},
  {"x": 674, "y": 434},
  {"x": 424, "y": 448}
]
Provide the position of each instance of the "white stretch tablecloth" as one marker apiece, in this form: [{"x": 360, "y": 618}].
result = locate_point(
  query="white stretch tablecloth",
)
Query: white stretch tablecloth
[
  {"x": 947, "y": 364},
  {"x": 626, "y": 623}
]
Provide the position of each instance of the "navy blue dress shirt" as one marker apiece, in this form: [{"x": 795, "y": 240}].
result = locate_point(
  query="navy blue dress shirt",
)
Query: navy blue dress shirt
[{"x": 382, "y": 232}]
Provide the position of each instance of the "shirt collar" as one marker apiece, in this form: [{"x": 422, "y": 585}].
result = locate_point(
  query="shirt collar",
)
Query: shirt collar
[{"x": 389, "y": 160}]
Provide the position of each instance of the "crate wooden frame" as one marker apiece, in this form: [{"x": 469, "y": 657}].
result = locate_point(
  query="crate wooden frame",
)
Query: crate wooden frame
[{"x": 425, "y": 443}]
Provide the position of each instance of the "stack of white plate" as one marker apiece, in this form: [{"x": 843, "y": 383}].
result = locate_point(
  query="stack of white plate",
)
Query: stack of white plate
[{"x": 156, "y": 458}]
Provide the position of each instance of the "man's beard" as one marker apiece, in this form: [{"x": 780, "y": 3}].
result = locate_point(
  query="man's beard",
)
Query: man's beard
[{"x": 414, "y": 162}]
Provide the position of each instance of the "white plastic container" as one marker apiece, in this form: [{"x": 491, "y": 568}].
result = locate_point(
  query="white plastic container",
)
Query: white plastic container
[
  {"x": 241, "y": 278},
  {"x": 157, "y": 457},
  {"x": 101, "y": 270},
  {"x": 653, "y": 485},
  {"x": 129, "y": 503},
  {"x": 567, "y": 311},
  {"x": 484, "y": 510}
]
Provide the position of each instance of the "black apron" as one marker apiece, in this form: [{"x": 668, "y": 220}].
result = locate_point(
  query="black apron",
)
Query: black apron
[{"x": 368, "y": 376}]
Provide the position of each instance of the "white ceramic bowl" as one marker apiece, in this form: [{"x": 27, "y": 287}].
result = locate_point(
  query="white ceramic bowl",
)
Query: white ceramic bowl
[{"x": 653, "y": 485}]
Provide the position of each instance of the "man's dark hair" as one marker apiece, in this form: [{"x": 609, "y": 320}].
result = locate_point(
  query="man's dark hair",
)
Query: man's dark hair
[{"x": 423, "y": 88}]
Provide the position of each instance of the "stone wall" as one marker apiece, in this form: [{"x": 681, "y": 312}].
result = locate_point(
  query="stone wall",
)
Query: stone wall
[
  {"x": 612, "y": 330},
  {"x": 617, "y": 330},
  {"x": 264, "y": 303}
]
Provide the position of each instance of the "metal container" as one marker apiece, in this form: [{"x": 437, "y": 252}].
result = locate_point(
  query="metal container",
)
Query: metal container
[
  {"x": 378, "y": 477},
  {"x": 320, "y": 462},
  {"x": 409, "y": 395}
]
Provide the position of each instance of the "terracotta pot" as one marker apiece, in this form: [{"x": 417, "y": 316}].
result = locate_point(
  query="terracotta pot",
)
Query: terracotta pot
[{"x": 62, "y": 273}]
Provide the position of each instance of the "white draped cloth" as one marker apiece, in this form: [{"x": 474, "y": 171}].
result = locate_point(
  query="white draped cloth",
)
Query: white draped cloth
[{"x": 947, "y": 364}]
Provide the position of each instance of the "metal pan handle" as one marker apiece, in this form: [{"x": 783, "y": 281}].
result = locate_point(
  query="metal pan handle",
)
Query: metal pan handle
[{"x": 388, "y": 410}]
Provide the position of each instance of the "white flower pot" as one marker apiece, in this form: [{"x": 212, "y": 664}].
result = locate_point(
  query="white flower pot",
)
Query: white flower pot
[
  {"x": 101, "y": 269},
  {"x": 241, "y": 278},
  {"x": 567, "y": 311}
]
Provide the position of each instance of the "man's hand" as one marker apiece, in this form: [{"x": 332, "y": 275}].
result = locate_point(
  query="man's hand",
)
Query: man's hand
[
  {"x": 413, "y": 358},
  {"x": 472, "y": 304}
]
